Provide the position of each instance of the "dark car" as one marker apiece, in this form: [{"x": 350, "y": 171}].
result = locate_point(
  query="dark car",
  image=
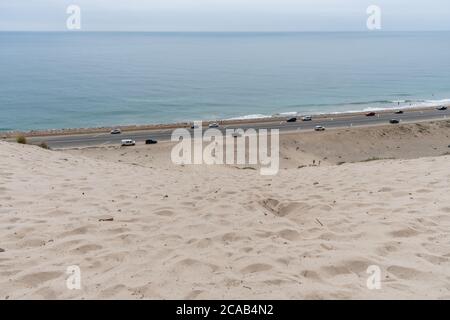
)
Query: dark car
[
  {"x": 393, "y": 121},
  {"x": 150, "y": 141},
  {"x": 370, "y": 114},
  {"x": 442, "y": 108},
  {"x": 291, "y": 120},
  {"x": 399, "y": 112}
]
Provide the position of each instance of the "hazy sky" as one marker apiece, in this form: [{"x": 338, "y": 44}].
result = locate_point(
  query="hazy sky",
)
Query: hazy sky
[{"x": 225, "y": 15}]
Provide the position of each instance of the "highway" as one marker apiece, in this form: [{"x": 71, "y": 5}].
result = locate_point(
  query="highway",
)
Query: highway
[{"x": 329, "y": 122}]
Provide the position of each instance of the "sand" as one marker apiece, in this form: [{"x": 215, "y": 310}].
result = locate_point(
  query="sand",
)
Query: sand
[{"x": 141, "y": 228}]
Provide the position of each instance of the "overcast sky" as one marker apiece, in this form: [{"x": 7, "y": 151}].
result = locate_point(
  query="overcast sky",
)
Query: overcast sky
[{"x": 224, "y": 15}]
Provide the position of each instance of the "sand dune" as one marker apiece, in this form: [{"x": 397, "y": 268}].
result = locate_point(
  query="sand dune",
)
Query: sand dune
[{"x": 144, "y": 229}]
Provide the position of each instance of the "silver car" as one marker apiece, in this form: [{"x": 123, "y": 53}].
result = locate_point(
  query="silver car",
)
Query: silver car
[{"x": 128, "y": 142}]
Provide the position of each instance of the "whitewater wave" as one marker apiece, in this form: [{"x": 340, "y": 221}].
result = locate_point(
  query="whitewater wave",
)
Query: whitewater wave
[
  {"x": 378, "y": 105},
  {"x": 250, "y": 117}
]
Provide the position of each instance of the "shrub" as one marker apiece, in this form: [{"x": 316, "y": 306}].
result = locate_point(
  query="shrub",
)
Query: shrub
[
  {"x": 21, "y": 139},
  {"x": 44, "y": 145}
]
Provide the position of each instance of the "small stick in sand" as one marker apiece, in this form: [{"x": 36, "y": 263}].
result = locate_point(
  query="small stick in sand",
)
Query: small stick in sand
[{"x": 319, "y": 222}]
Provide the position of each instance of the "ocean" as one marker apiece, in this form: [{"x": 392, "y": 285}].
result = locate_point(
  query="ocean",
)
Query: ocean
[{"x": 83, "y": 79}]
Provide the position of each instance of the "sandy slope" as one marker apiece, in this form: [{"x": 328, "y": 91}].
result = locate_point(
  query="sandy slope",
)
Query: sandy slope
[
  {"x": 220, "y": 232},
  {"x": 406, "y": 141}
]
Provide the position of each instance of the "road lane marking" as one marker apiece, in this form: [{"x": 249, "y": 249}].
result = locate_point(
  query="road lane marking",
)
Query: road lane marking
[{"x": 100, "y": 138}]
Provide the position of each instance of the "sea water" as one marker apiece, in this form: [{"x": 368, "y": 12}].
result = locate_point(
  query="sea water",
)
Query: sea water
[{"x": 87, "y": 79}]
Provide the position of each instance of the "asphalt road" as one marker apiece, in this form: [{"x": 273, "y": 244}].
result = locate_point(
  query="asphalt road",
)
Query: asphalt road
[{"x": 330, "y": 122}]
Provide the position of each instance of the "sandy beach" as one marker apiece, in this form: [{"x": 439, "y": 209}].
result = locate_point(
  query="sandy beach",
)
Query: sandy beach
[{"x": 140, "y": 227}]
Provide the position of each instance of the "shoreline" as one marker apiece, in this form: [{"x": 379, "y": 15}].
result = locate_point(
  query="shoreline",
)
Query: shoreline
[{"x": 168, "y": 126}]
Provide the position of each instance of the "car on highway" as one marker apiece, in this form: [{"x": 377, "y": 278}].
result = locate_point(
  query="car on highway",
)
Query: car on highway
[
  {"x": 213, "y": 125},
  {"x": 116, "y": 131},
  {"x": 394, "y": 121},
  {"x": 399, "y": 112},
  {"x": 151, "y": 141},
  {"x": 370, "y": 114},
  {"x": 194, "y": 126},
  {"x": 442, "y": 108},
  {"x": 307, "y": 118},
  {"x": 293, "y": 119},
  {"x": 128, "y": 142},
  {"x": 236, "y": 135},
  {"x": 319, "y": 128}
]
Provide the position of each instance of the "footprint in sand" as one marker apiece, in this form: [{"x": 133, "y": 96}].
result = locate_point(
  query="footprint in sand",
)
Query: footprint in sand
[
  {"x": 283, "y": 209},
  {"x": 310, "y": 274},
  {"x": 406, "y": 273},
  {"x": 256, "y": 267},
  {"x": 165, "y": 212},
  {"x": 119, "y": 230},
  {"x": 87, "y": 248},
  {"x": 232, "y": 237},
  {"x": 385, "y": 189},
  {"x": 36, "y": 278},
  {"x": 423, "y": 191},
  {"x": 47, "y": 293},
  {"x": 433, "y": 259},
  {"x": 276, "y": 282},
  {"x": 204, "y": 243},
  {"x": 404, "y": 233},
  {"x": 388, "y": 248},
  {"x": 193, "y": 294},
  {"x": 289, "y": 234},
  {"x": 190, "y": 266},
  {"x": 74, "y": 232},
  {"x": 31, "y": 243},
  {"x": 347, "y": 267},
  {"x": 112, "y": 291}
]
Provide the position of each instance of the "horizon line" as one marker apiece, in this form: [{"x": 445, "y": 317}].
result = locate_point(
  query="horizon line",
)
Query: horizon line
[{"x": 225, "y": 31}]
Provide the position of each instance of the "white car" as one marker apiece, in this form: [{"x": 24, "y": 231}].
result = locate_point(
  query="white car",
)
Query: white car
[
  {"x": 128, "y": 142},
  {"x": 116, "y": 131},
  {"x": 319, "y": 128},
  {"x": 307, "y": 118},
  {"x": 214, "y": 125}
]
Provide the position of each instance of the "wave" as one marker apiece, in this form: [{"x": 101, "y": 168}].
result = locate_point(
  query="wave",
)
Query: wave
[
  {"x": 250, "y": 117},
  {"x": 340, "y": 108}
]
